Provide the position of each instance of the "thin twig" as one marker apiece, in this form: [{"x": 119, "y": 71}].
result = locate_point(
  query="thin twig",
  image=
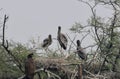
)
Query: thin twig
[
  {"x": 71, "y": 43},
  {"x": 71, "y": 40}
]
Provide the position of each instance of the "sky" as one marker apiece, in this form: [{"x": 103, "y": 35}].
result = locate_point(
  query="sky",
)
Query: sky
[{"x": 32, "y": 18}]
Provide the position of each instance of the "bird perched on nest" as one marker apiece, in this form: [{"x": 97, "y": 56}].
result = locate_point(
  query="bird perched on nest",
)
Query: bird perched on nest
[
  {"x": 80, "y": 51},
  {"x": 62, "y": 39},
  {"x": 29, "y": 67},
  {"x": 47, "y": 42}
]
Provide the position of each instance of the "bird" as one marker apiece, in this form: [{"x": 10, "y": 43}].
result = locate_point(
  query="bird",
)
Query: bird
[
  {"x": 62, "y": 39},
  {"x": 29, "y": 67},
  {"x": 48, "y": 41},
  {"x": 80, "y": 51}
]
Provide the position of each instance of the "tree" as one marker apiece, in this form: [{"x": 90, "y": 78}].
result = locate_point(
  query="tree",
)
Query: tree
[
  {"x": 12, "y": 56},
  {"x": 105, "y": 33}
]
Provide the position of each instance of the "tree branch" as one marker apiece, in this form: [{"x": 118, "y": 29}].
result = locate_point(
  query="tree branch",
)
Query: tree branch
[{"x": 6, "y": 46}]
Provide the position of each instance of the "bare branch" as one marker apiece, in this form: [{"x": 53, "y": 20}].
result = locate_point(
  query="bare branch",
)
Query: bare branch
[
  {"x": 5, "y": 19},
  {"x": 42, "y": 69},
  {"x": 80, "y": 75},
  {"x": 6, "y": 46},
  {"x": 84, "y": 37},
  {"x": 71, "y": 43},
  {"x": 71, "y": 40}
]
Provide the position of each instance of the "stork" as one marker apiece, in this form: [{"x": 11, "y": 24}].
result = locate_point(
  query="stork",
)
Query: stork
[
  {"x": 47, "y": 42},
  {"x": 62, "y": 39},
  {"x": 80, "y": 51}
]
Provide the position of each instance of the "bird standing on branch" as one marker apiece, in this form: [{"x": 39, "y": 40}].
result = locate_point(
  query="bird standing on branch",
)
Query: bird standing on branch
[
  {"x": 47, "y": 42},
  {"x": 62, "y": 39},
  {"x": 80, "y": 51},
  {"x": 29, "y": 67}
]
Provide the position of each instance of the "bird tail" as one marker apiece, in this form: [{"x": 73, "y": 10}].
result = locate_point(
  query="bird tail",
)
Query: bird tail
[
  {"x": 43, "y": 45},
  {"x": 64, "y": 47}
]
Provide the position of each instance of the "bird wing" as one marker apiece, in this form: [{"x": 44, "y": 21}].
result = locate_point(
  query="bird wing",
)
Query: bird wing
[
  {"x": 64, "y": 39},
  {"x": 81, "y": 54},
  {"x": 29, "y": 67},
  {"x": 26, "y": 67},
  {"x": 45, "y": 42}
]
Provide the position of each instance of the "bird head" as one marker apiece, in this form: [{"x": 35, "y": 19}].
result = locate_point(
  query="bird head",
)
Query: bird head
[
  {"x": 78, "y": 42},
  {"x": 50, "y": 36},
  {"x": 59, "y": 27}
]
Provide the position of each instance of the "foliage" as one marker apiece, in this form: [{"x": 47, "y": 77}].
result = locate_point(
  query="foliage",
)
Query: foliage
[
  {"x": 7, "y": 63},
  {"x": 105, "y": 33},
  {"x": 103, "y": 56}
]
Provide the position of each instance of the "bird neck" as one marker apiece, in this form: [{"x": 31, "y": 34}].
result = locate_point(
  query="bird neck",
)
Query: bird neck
[
  {"x": 59, "y": 31},
  {"x": 50, "y": 38},
  {"x": 78, "y": 44}
]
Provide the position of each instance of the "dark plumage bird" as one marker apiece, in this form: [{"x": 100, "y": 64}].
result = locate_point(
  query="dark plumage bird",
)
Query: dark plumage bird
[
  {"x": 47, "y": 42},
  {"x": 29, "y": 67},
  {"x": 80, "y": 51},
  {"x": 62, "y": 39}
]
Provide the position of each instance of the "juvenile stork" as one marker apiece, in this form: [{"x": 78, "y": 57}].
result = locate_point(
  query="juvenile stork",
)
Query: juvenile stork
[
  {"x": 47, "y": 42},
  {"x": 29, "y": 67},
  {"x": 62, "y": 39},
  {"x": 80, "y": 51}
]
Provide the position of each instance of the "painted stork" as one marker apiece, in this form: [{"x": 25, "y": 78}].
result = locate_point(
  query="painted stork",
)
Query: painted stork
[
  {"x": 62, "y": 39},
  {"x": 48, "y": 41},
  {"x": 29, "y": 67},
  {"x": 80, "y": 51}
]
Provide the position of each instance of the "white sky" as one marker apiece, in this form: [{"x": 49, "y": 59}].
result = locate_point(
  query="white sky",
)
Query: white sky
[{"x": 33, "y": 18}]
